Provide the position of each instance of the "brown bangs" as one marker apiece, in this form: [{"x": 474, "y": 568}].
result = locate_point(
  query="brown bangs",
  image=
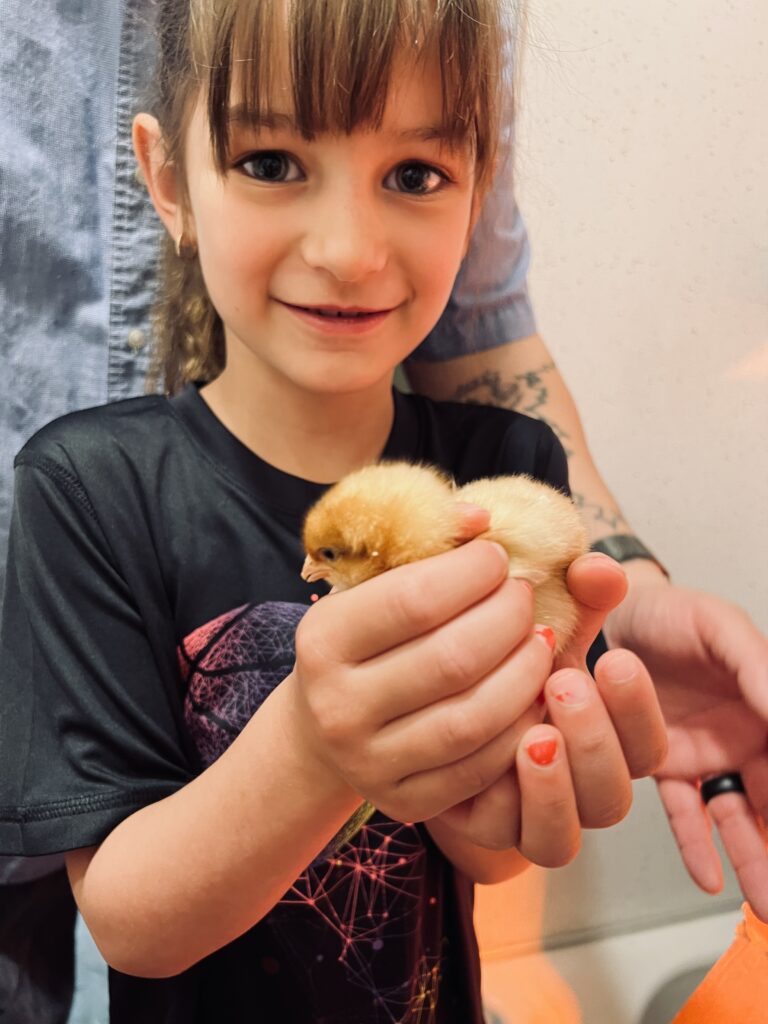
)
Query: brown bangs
[{"x": 341, "y": 55}]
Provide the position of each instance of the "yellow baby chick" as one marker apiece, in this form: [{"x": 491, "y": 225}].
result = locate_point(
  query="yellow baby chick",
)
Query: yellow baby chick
[{"x": 392, "y": 513}]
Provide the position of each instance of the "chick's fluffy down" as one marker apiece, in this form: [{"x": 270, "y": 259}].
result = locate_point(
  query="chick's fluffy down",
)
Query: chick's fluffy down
[{"x": 393, "y": 513}]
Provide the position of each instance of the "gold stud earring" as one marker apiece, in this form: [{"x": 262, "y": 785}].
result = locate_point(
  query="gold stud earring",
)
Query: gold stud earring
[{"x": 186, "y": 248}]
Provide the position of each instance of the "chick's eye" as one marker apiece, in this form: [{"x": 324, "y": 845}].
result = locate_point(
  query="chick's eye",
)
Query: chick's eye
[
  {"x": 271, "y": 166},
  {"x": 328, "y": 554},
  {"x": 416, "y": 178}
]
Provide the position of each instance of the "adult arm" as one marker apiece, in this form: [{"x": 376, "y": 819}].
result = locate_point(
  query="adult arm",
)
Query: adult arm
[{"x": 522, "y": 375}]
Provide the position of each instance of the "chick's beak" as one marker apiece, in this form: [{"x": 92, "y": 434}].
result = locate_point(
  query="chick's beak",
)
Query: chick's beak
[{"x": 312, "y": 570}]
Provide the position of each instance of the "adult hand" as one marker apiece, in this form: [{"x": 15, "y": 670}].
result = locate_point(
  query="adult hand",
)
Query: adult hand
[{"x": 709, "y": 663}]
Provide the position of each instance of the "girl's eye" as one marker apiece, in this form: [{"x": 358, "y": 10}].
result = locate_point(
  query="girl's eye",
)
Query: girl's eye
[
  {"x": 271, "y": 166},
  {"x": 416, "y": 179}
]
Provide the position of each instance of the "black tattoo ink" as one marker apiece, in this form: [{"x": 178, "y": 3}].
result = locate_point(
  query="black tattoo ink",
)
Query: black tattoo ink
[
  {"x": 526, "y": 392},
  {"x": 611, "y": 517}
]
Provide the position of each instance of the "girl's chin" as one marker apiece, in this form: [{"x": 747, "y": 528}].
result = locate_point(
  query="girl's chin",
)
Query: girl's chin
[
  {"x": 345, "y": 384},
  {"x": 339, "y": 373}
]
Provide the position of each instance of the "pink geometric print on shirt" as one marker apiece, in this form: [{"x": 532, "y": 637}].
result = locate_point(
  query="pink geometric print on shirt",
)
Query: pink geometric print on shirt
[
  {"x": 195, "y": 642},
  {"x": 369, "y": 898},
  {"x": 231, "y": 665},
  {"x": 357, "y": 904}
]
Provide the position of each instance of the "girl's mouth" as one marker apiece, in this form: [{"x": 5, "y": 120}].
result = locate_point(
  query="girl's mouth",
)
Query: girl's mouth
[
  {"x": 341, "y": 312},
  {"x": 333, "y": 319}
]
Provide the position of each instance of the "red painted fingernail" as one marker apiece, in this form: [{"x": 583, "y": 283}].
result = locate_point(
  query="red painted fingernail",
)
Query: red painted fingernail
[
  {"x": 548, "y": 634},
  {"x": 574, "y": 693},
  {"x": 543, "y": 752}
]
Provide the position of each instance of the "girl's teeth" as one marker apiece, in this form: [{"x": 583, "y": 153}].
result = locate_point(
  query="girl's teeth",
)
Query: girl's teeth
[{"x": 324, "y": 312}]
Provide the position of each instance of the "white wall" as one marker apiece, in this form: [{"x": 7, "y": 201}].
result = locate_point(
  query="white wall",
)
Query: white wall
[{"x": 642, "y": 173}]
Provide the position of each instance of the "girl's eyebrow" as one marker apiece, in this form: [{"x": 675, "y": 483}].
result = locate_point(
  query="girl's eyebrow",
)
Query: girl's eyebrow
[{"x": 273, "y": 120}]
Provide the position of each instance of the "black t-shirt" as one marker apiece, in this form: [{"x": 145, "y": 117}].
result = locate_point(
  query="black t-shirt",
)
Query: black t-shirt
[{"x": 151, "y": 602}]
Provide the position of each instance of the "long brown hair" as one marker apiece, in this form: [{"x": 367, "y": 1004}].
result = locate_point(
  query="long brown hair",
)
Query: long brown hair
[{"x": 341, "y": 56}]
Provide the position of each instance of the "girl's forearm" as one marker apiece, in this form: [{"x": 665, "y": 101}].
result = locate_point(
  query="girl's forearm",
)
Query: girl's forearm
[{"x": 183, "y": 877}]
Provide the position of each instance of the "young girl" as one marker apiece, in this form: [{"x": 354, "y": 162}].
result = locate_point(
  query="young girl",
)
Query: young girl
[{"x": 171, "y": 715}]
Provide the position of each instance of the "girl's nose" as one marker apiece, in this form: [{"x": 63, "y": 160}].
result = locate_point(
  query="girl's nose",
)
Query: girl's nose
[{"x": 347, "y": 239}]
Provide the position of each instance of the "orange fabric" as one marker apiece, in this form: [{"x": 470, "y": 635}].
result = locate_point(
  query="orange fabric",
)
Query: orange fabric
[
  {"x": 519, "y": 982},
  {"x": 736, "y": 989}
]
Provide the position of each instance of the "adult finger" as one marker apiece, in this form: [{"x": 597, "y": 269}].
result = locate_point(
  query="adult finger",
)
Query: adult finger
[
  {"x": 692, "y": 830},
  {"x": 601, "y": 778},
  {"x": 628, "y": 693},
  {"x": 402, "y": 604},
  {"x": 742, "y": 837},
  {"x": 549, "y": 818},
  {"x": 738, "y": 645},
  {"x": 755, "y": 775},
  {"x": 598, "y": 584},
  {"x": 745, "y": 844}
]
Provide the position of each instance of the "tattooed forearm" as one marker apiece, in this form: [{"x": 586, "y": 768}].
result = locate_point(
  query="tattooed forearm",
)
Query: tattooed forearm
[
  {"x": 525, "y": 392},
  {"x": 522, "y": 376},
  {"x": 611, "y": 518},
  {"x": 529, "y": 392}
]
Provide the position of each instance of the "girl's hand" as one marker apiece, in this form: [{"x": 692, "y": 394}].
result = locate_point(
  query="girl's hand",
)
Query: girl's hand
[
  {"x": 410, "y": 687},
  {"x": 620, "y": 717},
  {"x": 603, "y": 733}
]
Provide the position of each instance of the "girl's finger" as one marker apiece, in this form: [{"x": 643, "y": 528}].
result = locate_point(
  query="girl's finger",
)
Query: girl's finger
[
  {"x": 628, "y": 692},
  {"x": 601, "y": 779},
  {"x": 452, "y": 658},
  {"x": 404, "y": 603},
  {"x": 429, "y": 793},
  {"x": 492, "y": 818},
  {"x": 464, "y": 723},
  {"x": 599, "y": 584},
  {"x": 472, "y": 520},
  {"x": 549, "y": 818}
]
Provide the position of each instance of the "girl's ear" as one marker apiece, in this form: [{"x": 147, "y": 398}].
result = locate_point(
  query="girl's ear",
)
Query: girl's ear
[{"x": 159, "y": 174}]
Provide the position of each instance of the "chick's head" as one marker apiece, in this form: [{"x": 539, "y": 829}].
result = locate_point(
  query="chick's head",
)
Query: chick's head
[{"x": 377, "y": 518}]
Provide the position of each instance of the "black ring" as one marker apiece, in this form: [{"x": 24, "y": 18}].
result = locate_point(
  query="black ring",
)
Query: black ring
[{"x": 731, "y": 782}]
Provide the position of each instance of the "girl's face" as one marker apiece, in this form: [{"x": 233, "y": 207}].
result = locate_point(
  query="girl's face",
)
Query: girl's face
[{"x": 375, "y": 221}]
